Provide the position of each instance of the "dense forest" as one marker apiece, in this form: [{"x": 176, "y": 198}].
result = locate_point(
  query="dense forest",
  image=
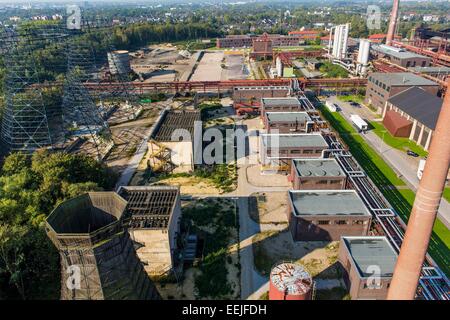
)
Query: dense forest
[{"x": 30, "y": 188}]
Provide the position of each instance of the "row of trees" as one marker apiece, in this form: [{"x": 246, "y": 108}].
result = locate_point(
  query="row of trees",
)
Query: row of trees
[{"x": 30, "y": 188}]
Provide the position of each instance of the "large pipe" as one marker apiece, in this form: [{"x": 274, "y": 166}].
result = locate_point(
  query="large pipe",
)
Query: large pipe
[
  {"x": 392, "y": 23},
  {"x": 417, "y": 237}
]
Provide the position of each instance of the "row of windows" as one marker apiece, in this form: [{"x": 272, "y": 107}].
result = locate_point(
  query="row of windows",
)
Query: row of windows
[
  {"x": 340, "y": 222},
  {"x": 379, "y": 84},
  {"x": 294, "y": 151}
]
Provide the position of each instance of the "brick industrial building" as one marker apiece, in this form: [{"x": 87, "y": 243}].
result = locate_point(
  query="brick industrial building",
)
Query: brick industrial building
[
  {"x": 400, "y": 57},
  {"x": 362, "y": 258},
  {"x": 154, "y": 213},
  {"x": 288, "y": 122},
  {"x": 413, "y": 114},
  {"x": 255, "y": 94},
  {"x": 286, "y": 104},
  {"x": 382, "y": 86},
  {"x": 324, "y": 215},
  {"x": 276, "y": 151},
  {"x": 317, "y": 174}
]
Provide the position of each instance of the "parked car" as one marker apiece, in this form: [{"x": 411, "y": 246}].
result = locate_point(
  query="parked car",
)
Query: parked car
[
  {"x": 412, "y": 154},
  {"x": 355, "y": 104}
]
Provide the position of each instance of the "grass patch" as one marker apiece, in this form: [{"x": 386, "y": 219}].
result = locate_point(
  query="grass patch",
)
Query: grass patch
[
  {"x": 402, "y": 144},
  {"x": 214, "y": 220},
  {"x": 385, "y": 179},
  {"x": 359, "y": 98},
  {"x": 446, "y": 194},
  {"x": 374, "y": 165}
]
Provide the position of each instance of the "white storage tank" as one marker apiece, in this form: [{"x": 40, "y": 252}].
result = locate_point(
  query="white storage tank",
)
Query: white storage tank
[{"x": 119, "y": 62}]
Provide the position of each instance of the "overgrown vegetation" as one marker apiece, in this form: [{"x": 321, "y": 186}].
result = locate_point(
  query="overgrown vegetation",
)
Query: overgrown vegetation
[
  {"x": 30, "y": 188},
  {"x": 216, "y": 221},
  {"x": 333, "y": 71}
]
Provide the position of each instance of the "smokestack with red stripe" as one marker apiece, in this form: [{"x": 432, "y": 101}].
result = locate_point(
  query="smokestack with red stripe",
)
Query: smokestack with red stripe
[
  {"x": 392, "y": 23},
  {"x": 417, "y": 237}
]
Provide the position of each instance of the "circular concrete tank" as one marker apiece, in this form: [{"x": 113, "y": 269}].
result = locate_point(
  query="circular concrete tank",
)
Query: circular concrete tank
[
  {"x": 119, "y": 62},
  {"x": 290, "y": 281}
]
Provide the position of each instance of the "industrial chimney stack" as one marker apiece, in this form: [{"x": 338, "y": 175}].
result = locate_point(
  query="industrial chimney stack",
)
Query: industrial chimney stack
[
  {"x": 415, "y": 244},
  {"x": 392, "y": 23}
]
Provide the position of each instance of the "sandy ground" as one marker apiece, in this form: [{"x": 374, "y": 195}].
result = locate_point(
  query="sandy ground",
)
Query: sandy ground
[
  {"x": 235, "y": 67},
  {"x": 192, "y": 185},
  {"x": 209, "y": 68},
  {"x": 258, "y": 179},
  {"x": 269, "y": 207},
  {"x": 317, "y": 256}
]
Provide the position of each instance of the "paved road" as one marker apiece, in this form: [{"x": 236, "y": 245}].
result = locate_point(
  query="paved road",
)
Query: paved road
[{"x": 403, "y": 164}]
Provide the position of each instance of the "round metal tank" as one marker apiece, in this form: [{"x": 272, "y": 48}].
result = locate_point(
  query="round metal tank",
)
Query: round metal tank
[
  {"x": 119, "y": 62},
  {"x": 290, "y": 281}
]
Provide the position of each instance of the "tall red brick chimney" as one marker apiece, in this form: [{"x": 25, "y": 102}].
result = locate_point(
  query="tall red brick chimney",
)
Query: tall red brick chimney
[
  {"x": 392, "y": 23},
  {"x": 415, "y": 244}
]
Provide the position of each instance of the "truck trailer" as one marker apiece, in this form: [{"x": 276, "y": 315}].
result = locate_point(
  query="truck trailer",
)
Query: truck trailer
[{"x": 359, "y": 123}]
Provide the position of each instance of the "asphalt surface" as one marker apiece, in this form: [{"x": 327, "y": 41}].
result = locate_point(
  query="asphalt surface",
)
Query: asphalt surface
[{"x": 406, "y": 166}]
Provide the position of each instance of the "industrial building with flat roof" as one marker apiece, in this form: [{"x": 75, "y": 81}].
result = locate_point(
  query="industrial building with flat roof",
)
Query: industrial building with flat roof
[
  {"x": 363, "y": 258},
  {"x": 413, "y": 114},
  {"x": 285, "y": 104},
  {"x": 277, "y": 150},
  {"x": 400, "y": 57},
  {"x": 288, "y": 122},
  {"x": 382, "y": 86},
  {"x": 317, "y": 174},
  {"x": 154, "y": 214},
  {"x": 324, "y": 215},
  {"x": 439, "y": 72},
  {"x": 255, "y": 93}
]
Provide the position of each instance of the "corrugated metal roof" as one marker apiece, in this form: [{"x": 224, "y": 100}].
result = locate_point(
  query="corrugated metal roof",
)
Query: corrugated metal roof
[
  {"x": 289, "y": 101},
  {"x": 287, "y": 116},
  {"x": 402, "y": 79},
  {"x": 318, "y": 168},
  {"x": 327, "y": 203},
  {"x": 419, "y": 104},
  {"x": 368, "y": 252},
  {"x": 293, "y": 140}
]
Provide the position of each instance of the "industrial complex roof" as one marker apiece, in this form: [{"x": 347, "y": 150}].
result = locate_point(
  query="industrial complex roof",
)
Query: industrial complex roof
[
  {"x": 288, "y": 101},
  {"x": 318, "y": 168},
  {"x": 287, "y": 116},
  {"x": 401, "y": 79},
  {"x": 293, "y": 140},
  {"x": 327, "y": 202},
  {"x": 174, "y": 124},
  {"x": 437, "y": 69},
  {"x": 419, "y": 104},
  {"x": 149, "y": 207},
  {"x": 398, "y": 53},
  {"x": 371, "y": 251}
]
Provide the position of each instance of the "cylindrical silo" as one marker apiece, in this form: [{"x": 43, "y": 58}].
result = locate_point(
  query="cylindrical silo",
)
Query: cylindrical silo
[
  {"x": 290, "y": 281},
  {"x": 119, "y": 62}
]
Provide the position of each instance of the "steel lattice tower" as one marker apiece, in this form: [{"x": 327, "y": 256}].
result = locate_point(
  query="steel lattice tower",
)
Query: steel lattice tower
[
  {"x": 25, "y": 124},
  {"x": 80, "y": 113}
]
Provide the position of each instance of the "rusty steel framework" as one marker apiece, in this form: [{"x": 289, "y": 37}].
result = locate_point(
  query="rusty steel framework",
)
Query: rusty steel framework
[
  {"x": 98, "y": 260},
  {"x": 149, "y": 207}
]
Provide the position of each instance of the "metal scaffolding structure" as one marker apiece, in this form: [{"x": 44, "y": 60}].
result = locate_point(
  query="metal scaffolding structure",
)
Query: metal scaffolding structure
[{"x": 25, "y": 123}]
